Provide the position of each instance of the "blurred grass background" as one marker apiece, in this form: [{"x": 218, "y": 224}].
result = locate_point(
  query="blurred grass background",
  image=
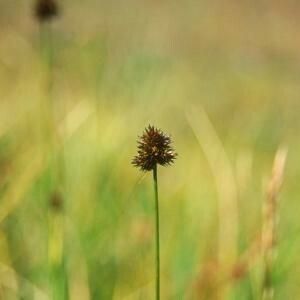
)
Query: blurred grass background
[{"x": 221, "y": 76}]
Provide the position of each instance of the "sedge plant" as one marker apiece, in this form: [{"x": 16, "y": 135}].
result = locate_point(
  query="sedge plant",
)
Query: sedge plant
[
  {"x": 45, "y": 12},
  {"x": 154, "y": 148}
]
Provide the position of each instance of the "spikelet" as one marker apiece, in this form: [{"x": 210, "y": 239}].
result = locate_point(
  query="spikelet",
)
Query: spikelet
[{"x": 154, "y": 147}]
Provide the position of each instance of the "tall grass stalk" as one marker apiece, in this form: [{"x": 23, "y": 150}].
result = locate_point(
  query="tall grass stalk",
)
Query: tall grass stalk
[
  {"x": 46, "y": 11},
  {"x": 154, "y": 148},
  {"x": 157, "y": 248},
  {"x": 47, "y": 52},
  {"x": 223, "y": 173},
  {"x": 270, "y": 223},
  {"x": 56, "y": 240}
]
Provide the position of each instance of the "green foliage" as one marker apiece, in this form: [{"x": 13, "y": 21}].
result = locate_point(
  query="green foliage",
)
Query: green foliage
[{"x": 116, "y": 68}]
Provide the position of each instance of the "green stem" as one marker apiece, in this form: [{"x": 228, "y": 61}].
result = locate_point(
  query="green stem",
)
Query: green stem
[
  {"x": 157, "y": 234},
  {"x": 56, "y": 260}
]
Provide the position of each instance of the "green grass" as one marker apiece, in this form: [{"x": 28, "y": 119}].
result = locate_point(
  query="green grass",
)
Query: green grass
[{"x": 222, "y": 79}]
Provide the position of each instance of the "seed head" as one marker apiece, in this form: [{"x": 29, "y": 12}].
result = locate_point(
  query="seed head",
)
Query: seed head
[
  {"x": 154, "y": 147},
  {"x": 56, "y": 201},
  {"x": 45, "y": 10}
]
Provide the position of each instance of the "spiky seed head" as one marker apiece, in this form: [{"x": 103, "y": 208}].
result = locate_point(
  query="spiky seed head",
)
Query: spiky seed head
[
  {"x": 154, "y": 147},
  {"x": 45, "y": 10}
]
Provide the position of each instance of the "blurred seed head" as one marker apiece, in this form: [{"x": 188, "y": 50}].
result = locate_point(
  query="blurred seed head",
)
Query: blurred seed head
[
  {"x": 154, "y": 147},
  {"x": 239, "y": 270},
  {"x": 46, "y": 10},
  {"x": 56, "y": 201}
]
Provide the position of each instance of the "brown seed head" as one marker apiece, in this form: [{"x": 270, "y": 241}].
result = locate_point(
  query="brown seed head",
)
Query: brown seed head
[
  {"x": 56, "y": 201},
  {"x": 45, "y": 10},
  {"x": 154, "y": 147}
]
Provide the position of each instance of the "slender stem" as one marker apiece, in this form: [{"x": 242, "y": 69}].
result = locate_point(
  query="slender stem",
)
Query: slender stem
[
  {"x": 56, "y": 256},
  {"x": 157, "y": 260}
]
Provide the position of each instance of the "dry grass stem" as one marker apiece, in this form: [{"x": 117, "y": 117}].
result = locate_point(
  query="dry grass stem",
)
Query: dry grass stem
[{"x": 270, "y": 222}]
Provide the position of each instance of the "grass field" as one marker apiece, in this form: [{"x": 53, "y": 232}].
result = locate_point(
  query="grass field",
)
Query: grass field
[{"x": 77, "y": 219}]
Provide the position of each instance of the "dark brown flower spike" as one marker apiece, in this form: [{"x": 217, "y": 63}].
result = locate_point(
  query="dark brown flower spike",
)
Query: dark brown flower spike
[
  {"x": 154, "y": 147},
  {"x": 45, "y": 10}
]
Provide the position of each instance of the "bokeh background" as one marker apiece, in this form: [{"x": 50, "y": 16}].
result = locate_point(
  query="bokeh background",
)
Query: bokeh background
[{"x": 222, "y": 77}]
